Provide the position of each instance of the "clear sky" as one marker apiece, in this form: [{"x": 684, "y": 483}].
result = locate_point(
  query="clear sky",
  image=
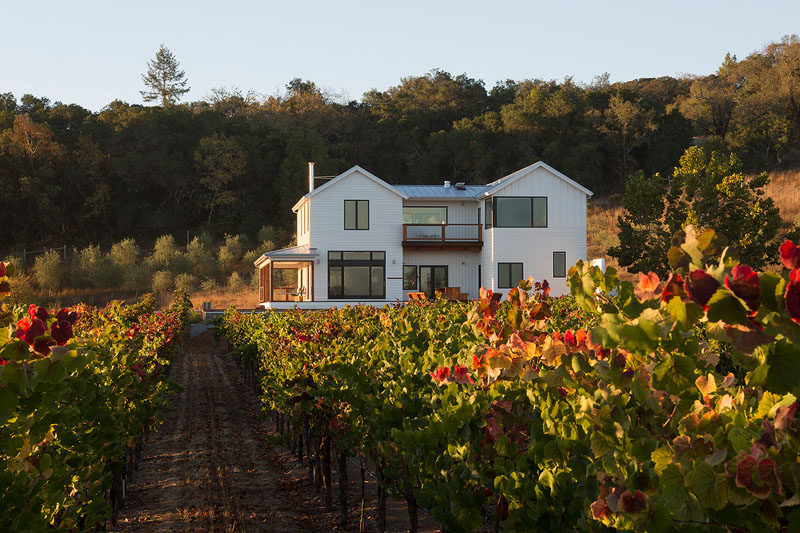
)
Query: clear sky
[{"x": 92, "y": 52}]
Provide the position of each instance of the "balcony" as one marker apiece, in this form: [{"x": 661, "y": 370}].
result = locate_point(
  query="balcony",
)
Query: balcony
[{"x": 459, "y": 237}]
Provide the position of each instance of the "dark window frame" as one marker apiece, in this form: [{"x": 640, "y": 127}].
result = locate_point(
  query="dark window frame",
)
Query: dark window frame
[
  {"x": 488, "y": 208},
  {"x": 433, "y": 275},
  {"x": 341, "y": 264},
  {"x": 564, "y": 255},
  {"x": 416, "y": 278},
  {"x": 533, "y": 213},
  {"x": 446, "y": 213},
  {"x": 510, "y": 265},
  {"x": 356, "y": 216}
]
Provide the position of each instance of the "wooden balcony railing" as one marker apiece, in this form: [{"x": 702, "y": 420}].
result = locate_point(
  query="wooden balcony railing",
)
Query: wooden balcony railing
[{"x": 443, "y": 233}]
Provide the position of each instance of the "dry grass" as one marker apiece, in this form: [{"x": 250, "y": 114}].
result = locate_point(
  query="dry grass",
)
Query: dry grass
[
  {"x": 602, "y": 213},
  {"x": 784, "y": 189},
  {"x": 246, "y": 298},
  {"x": 601, "y": 230},
  {"x": 601, "y": 226}
]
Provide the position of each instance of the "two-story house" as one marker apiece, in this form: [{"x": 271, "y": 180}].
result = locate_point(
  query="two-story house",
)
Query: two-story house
[{"x": 362, "y": 240}]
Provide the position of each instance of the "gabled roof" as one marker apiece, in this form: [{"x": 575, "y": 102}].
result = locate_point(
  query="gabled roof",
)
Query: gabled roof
[
  {"x": 343, "y": 176},
  {"x": 438, "y": 191},
  {"x": 295, "y": 253},
  {"x": 503, "y": 182}
]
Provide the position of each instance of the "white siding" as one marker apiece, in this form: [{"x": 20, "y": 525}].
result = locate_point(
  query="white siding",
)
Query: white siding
[
  {"x": 303, "y": 227},
  {"x": 534, "y": 247},
  {"x": 462, "y": 267},
  {"x": 385, "y": 231},
  {"x": 458, "y": 211}
]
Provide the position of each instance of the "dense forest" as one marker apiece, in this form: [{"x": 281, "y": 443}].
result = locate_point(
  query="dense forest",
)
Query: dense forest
[{"x": 235, "y": 162}]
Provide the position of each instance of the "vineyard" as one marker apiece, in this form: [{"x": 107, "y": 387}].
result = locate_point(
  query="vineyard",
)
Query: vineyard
[
  {"x": 660, "y": 405},
  {"x": 78, "y": 389}
]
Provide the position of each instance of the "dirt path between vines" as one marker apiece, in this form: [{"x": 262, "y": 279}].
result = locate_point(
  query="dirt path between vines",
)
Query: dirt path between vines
[{"x": 210, "y": 468}]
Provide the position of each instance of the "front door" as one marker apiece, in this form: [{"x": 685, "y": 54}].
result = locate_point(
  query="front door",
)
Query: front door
[{"x": 432, "y": 279}]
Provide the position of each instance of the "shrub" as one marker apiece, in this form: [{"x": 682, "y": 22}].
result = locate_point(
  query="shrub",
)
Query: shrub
[
  {"x": 230, "y": 254},
  {"x": 164, "y": 252},
  {"x": 162, "y": 283},
  {"x": 201, "y": 260},
  {"x": 48, "y": 269},
  {"x": 185, "y": 282},
  {"x": 235, "y": 282},
  {"x": 126, "y": 256},
  {"x": 208, "y": 285}
]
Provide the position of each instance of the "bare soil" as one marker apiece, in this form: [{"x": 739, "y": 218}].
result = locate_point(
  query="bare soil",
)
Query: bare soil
[{"x": 210, "y": 466}]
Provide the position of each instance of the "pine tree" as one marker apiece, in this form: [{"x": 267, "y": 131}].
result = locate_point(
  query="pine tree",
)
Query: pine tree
[{"x": 163, "y": 79}]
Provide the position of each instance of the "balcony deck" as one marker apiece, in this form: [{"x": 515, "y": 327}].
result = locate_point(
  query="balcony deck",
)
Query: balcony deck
[{"x": 457, "y": 237}]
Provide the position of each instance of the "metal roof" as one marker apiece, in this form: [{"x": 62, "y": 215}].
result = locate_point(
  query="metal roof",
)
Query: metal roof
[
  {"x": 439, "y": 191},
  {"x": 288, "y": 254}
]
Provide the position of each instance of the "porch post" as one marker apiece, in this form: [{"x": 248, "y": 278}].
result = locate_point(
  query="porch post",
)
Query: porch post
[
  {"x": 311, "y": 280},
  {"x": 269, "y": 283}
]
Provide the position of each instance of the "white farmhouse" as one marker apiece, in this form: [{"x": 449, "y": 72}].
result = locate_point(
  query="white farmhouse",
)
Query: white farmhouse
[{"x": 362, "y": 240}]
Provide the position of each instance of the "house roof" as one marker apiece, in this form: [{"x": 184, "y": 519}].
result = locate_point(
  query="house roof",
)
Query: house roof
[
  {"x": 295, "y": 253},
  {"x": 439, "y": 191},
  {"x": 344, "y": 175},
  {"x": 503, "y": 182}
]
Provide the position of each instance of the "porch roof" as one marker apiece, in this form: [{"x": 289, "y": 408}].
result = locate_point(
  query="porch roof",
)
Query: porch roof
[{"x": 295, "y": 253}]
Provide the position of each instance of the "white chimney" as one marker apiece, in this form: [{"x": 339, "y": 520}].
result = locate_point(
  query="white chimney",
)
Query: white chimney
[
  {"x": 447, "y": 184},
  {"x": 310, "y": 176}
]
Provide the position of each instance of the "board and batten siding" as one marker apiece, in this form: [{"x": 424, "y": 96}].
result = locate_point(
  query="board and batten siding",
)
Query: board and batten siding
[
  {"x": 459, "y": 211},
  {"x": 534, "y": 247},
  {"x": 385, "y": 231},
  {"x": 462, "y": 267},
  {"x": 303, "y": 226}
]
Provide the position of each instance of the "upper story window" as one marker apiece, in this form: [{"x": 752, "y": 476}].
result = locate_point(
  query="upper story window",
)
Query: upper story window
[
  {"x": 356, "y": 214},
  {"x": 487, "y": 210},
  {"x": 425, "y": 215},
  {"x": 518, "y": 212}
]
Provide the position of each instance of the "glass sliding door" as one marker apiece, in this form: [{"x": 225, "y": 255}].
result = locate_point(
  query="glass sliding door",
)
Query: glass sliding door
[{"x": 432, "y": 278}]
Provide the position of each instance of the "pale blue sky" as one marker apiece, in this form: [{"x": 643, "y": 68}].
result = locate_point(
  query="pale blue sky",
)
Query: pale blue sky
[{"x": 91, "y": 52}]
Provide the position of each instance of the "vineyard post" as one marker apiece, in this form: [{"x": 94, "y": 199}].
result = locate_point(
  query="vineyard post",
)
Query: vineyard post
[
  {"x": 343, "y": 487},
  {"x": 309, "y": 455},
  {"x": 381, "y": 501},
  {"x": 300, "y": 447},
  {"x": 317, "y": 464},
  {"x": 326, "y": 471},
  {"x": 361, "y": 524}
]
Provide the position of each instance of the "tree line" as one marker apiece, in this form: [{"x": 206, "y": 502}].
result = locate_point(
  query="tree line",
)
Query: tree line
[
  {"x": 128, "y": 268},
  {"x": 234, "y": 162}
]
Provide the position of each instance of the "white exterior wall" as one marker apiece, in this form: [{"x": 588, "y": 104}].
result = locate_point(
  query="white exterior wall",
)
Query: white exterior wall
[
  {"x": 385, "y": 231},
  {"x": 459, "y": 211},
  {"x": 534, "y": 247},
  {"x": 303, "y": 226},
  {"x": 462, "y": 267}
]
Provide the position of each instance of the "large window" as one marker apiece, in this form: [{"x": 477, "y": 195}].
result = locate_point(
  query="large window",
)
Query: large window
[
  {"x": 508, "y": 275},
  {"x": 425, "y": 215},
  {"x": 410, "y": 279},
  {"x": 518, "y": 212},
  {"x": 559, "y": 264},
  {"x": 356, "y": 214},
  {"x": 356, "y": 275}
]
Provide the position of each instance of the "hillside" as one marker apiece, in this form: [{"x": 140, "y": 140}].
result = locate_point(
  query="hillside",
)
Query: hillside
[
  {"x": 602, "y": 213},
  {"x": 235, "y": 162}
]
